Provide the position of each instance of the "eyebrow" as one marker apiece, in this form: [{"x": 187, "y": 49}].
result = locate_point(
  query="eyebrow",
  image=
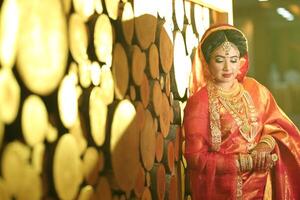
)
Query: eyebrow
[{"x": 235, "y": 56}]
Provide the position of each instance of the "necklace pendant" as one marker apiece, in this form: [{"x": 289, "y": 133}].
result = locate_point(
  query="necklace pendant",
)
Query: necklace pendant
[{"x": 245, "y": 128}]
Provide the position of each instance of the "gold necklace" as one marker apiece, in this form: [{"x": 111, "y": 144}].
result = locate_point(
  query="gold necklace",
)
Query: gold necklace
[{"x": 232, "y": 101}]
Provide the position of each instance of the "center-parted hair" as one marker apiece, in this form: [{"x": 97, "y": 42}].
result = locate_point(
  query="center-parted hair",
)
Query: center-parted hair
[{"x": 215, "y": 39}]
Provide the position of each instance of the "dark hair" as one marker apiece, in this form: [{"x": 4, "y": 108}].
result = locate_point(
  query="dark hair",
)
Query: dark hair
[{"x": 217, "y": 38}]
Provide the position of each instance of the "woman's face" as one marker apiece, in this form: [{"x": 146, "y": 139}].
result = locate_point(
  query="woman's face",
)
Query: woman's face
[{"x": 224, "y": 64}]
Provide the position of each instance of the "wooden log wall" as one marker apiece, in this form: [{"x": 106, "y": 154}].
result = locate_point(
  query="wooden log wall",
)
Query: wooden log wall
[{"x": 91, "y": 97}]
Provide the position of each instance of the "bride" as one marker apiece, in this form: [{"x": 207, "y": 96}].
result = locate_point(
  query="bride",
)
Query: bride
[{"x": 239, "y": 143}]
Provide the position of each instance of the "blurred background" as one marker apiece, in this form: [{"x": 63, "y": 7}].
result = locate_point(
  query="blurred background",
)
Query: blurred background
[{"x": 272, "y": 28}]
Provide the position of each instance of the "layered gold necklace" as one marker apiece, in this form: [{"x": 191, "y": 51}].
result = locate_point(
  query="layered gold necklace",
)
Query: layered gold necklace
[{"x": 238, "y": 102}]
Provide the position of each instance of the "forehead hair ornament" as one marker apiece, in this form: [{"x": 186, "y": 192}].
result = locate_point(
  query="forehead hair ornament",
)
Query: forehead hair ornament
[{"x": 226, "y": 46}]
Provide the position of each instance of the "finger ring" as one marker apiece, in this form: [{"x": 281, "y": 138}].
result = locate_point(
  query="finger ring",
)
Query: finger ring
[{"x": 274, "y": 157}]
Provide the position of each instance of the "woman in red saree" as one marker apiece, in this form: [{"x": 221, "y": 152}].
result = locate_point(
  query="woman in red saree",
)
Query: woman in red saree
[{"x": 239, "y": 143}]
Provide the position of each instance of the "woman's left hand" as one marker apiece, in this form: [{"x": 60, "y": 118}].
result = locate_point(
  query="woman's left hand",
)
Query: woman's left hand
[{"x": 262, "y": 158}]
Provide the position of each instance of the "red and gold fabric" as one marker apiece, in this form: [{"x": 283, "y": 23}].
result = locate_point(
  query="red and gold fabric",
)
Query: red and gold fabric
[{"x": 214, "y": 174}]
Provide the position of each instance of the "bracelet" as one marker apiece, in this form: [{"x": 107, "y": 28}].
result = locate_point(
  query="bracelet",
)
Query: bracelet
[
  {"x": 269, "y": 140},
  {"x": 246, "y": 162}
]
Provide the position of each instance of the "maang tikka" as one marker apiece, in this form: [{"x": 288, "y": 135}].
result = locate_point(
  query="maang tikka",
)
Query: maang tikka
[{"x": 226, "y": 45}]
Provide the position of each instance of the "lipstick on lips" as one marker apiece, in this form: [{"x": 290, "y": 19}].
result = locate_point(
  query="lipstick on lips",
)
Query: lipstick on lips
[{"x": 227, "y": 75}]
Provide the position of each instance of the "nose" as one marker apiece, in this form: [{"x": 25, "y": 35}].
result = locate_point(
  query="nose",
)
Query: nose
[{"x": 226, "y": 66}]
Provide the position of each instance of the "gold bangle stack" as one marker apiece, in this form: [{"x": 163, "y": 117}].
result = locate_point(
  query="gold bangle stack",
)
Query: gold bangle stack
[
  {"x": 269, "y": 140},
  {"x": 246, "y": 162}
]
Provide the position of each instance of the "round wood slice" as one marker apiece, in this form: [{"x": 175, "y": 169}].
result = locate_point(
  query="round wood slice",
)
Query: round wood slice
[
  {"x": 156, "y": 96},
  {"x": 34, "y": 120},
  {"x": 95, "y": 73},
  {"x": 103, "y": 38},
  {"x": 98, "y": 6},
  {"x": 197, "y": 19},
  {"x": 91, "y": 165},
  {"x": 86, "y": 193},
  {"x": 146, "y": 194},
  {"x": 78, "y": 133},
  {"x": 187, "y": 11},
  {"x": 4, "y": 193},
  {"x": 165, "y": 9},
  {"x": 38, "y": 157},
  {"x": 171, "y": 187},
  {"x": 164, "y": 118},
  {"x": 31, "y": 185},
  {"x": 145, "y": 91},
  {"x": 206, "y": 17},
  {"x": 190, "y": 39},
  {"x": 15, "y": 156},
  {"x": 10, "y": 96},
  {"x": 107, "y": 85},
  {"x": 85, "y": 8},
  {"x": 67, "y": 101},
  {"x": 147, "y": 142},
  {"x": 98, "y": 114},
  {"x": 140, "y": 115},
  {"x": 84, "y": 70},
  {"x": 153, "y": 61},
  {"x": 127, "y": 21},
  {"x": 169, "y": 156},
  {"x": 41, "y": 64},
  {"x": 145, "y": 21},
  {"x": 10, "y": 25},
  {"x": 181, "y": 69},
  {"x": 67, "y": 5},
  {"x": 159, "y": 147},
  {"x": 124, "y": 145},
  {"x": 179, "y": 13},
  {"x": 78, "y": 38},
  {"x": 158, "y": 181},
  {"x": 67, "y": 167},
  {"x": 167, "y": 88},
  {"x": 112, "y": 7},
  {"x": 51, "y": 134},
  {"x": 138, "y": 64},
  {"x": 140, "y": 182},
  {"x": 120, "y": 71},
  {"x": 103, "y": 190},
  {"x": 132, "y": 92},
  {"x": 165, "y": 46}
]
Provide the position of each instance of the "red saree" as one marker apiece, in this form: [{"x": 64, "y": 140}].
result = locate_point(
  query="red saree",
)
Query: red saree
[{"x": 214, "y": 174}]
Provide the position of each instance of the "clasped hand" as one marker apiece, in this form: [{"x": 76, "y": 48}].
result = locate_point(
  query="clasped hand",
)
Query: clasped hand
[{"x": 262, "y": 157}]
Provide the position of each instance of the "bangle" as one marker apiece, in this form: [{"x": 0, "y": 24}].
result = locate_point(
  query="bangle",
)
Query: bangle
[
  {"x": 246, "y": 162},
  {"x": 242, "y": 162},
  {"x": 269, "y": 140}
]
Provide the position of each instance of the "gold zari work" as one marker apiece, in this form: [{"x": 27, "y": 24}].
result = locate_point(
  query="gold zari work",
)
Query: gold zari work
[{"x": 239, "y": 104}]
